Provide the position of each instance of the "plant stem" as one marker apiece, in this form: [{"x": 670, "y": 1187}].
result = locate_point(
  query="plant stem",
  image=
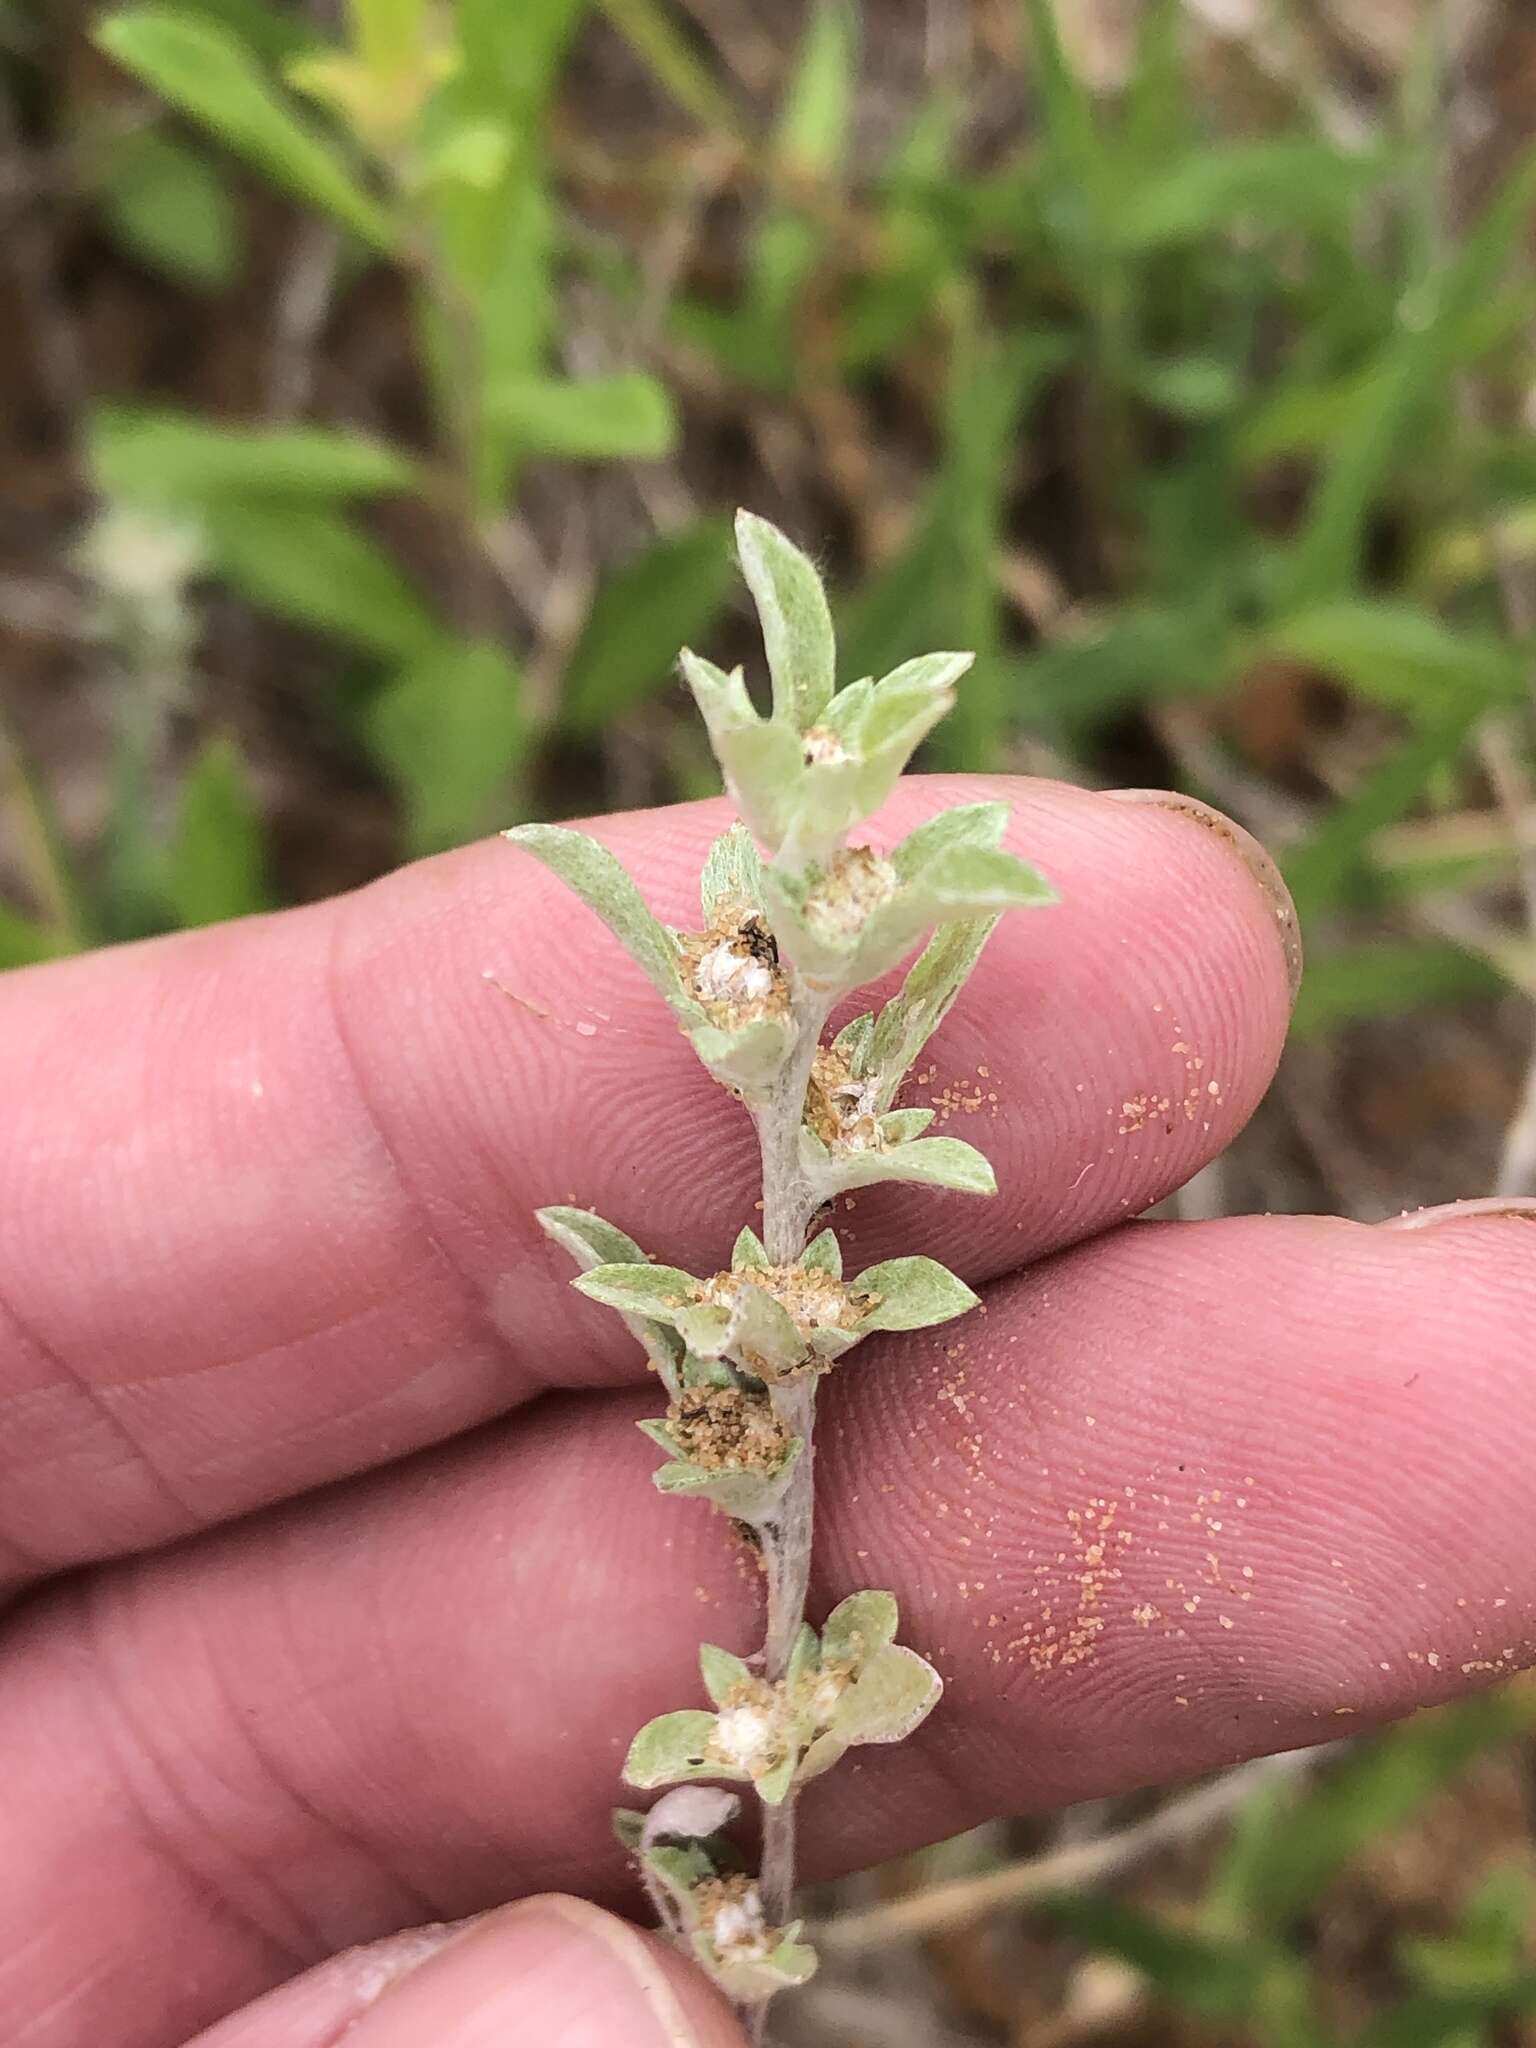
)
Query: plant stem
[{"x": 788, "y": 1207}]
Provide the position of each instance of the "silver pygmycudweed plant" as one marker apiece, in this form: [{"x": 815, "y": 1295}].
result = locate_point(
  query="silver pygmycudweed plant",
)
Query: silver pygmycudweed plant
[{"x": 793, "y": 918}]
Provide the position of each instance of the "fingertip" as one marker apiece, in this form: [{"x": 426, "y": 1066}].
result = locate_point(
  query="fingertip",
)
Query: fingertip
[
  {"x": 1247, "y": 852},
  {"x": 554, "y": 1969}
]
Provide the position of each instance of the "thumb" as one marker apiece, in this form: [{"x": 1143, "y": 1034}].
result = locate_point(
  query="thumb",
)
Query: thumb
[{"x": 549, "y": 1972}]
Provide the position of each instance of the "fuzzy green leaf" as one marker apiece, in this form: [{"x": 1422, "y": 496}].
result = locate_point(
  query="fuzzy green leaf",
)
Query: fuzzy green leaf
[
  {"x": 746, "y": 1059},
  {"x": 853, "y": 1042},
  {"x": 591, "y": 1242},
  {"x": 763, "y": 1335},
  {"x": 824, "y": 1255},
  {"x": 925, "y": 998},
  {"x": 722, "y": 1672},
  {"x": 914, "y": 1294},
  {"x": 773, "y": 1786},
  {"x": 732, "y": 882},
  {"x": 761, "y": 760},
  {"x": 964, "y": 825},
  {"x": 628, "y": 1826},
  {"x": 671, "y": 1749},
  {"x": 640, "y": 1290},
  {"x": 796, "y": 621},
  {"x": 804, "y": 1655},
  {"x": 858, "y": 1628},
  {"x": 899, "y": 1126},
  {"x": 960, "y": 883},
  {"x": 748, "y": 1981},
  {"x": 893, "y": 1694},
  {"x": 604, "y": 886},
  {"x": 744, "y": 1495},
  {"x": 748, "y": 1250},
  {"x": 929, "y": 1162}
]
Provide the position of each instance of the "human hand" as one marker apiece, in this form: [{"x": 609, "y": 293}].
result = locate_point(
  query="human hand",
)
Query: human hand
[{"x": 339, "y": 1585}]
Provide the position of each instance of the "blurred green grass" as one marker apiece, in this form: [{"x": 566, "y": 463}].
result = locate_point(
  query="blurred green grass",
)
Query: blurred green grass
[
  {"x": 1154, "y": 391},
  {"x": 1200, "y": 412}
]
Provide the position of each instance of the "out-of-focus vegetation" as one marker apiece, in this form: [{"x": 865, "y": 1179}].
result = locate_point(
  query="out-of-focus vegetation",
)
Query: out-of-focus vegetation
[{"x": 379, "y": 379}]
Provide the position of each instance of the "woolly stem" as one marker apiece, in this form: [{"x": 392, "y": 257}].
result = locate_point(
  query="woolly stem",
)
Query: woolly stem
[{"x": 789, "y": 1205}]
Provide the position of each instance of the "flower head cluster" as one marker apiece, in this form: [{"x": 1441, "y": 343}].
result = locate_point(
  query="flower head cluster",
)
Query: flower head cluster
[
  {"x": 853, "y": 1683},
  {"x": 712, "y": 1904}
]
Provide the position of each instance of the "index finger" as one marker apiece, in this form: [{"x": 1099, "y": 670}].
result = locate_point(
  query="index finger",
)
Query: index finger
[{"x": 269, "y": 1188}]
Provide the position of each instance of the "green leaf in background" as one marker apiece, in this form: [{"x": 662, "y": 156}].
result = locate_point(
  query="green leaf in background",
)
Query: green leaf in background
[
  {"x": 450, "y": 730},
  {"x": 309, "y": 564},
  {"x": 627, "y": 417},
  {"x": 1450, "y": 2019},
  {"x": 669, "y": 595},
  {"x": 170, "y": 207},
  {"x": 1294, "y": 1841},
  {"x": 668, "y": 54},
  {"x": 1189, "y": 387},
  {"x": 149, "y": 456},
  {"x": 941, "y": 587},
  {"x": 216, "y": 865},
  {"x": 272, "y": 33},
  {"x": 1387, "y": 978},
  {"x": 1219, "y": 1980},
  {"x": 207, "y": 73},
  {"x": 1489, "y": 1946},
  {"x": 1408, "y": 377},
  {"x": 1075, "y": 164},
  {"x": 1319, "y": 870},
  {"x": 1398, "y": 655},
  {"x": 809, "y": 146},
  {"x": 23, "y": 941},
  {"x": 1272, "y": 184}
]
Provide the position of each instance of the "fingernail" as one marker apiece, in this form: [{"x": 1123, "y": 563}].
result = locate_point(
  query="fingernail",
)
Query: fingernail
[
  {"x": 547, "y": 1969},
  {"x": 1522, "y": 1206},
  {"x": 1247, "y": 849}
]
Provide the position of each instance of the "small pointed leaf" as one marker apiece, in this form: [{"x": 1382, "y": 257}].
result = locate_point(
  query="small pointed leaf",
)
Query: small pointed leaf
[
  {"x": 748, "y": 1250},
  {"x": 900, "y": 1126},
  {"x": 644, "y": 1290},
  {"x": 604, "y": 886},
  {"x": 671, "y": 1748},
  {"x": 929, "y": 1162},
  {"x": 761, "y": 760},
  {"x": 824, "y": 1255},
  {"x": 732, "y": 882},
  {"x": 746, "y": 1060},
  {"x": 895, "y": 1693},
  {"x": 803, "y": 1656},
  {"x": 796, "y": 621},
  {"x": 858, "y": 1628},
  {"x": 773, "y": 1785},
  {"x": 746, "y": 1496},
  {"x": 916, "y": 1011},
  {"x": 914, "y": 1293},
  {"x": 853, "y": 1041},
  {"x": 763, "y": 1335},
  {"x": 588, "y": 1239},
  {"x": 591, "y": 1242},
  {"x": 964, "y": 825},
  {"x": 722, "y": 1672}
]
